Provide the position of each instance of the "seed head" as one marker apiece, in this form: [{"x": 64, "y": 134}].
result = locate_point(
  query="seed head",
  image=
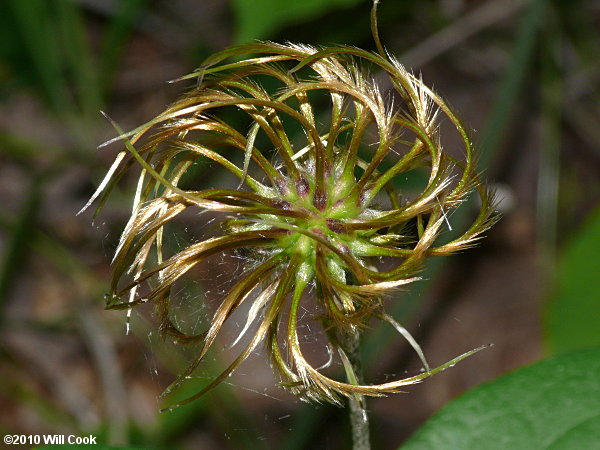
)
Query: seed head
[{"x": 322, "y": 159}]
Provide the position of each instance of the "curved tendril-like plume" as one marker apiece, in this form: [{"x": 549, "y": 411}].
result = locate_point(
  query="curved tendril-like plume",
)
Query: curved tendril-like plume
[{"x": 314, "y": 207}]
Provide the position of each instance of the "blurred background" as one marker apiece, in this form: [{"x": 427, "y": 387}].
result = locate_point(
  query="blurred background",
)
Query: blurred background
[{"x": 522, "y": 73}]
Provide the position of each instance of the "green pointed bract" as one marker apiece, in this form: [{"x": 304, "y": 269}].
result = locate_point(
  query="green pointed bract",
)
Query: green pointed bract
[{"x": 322, "y": 169}]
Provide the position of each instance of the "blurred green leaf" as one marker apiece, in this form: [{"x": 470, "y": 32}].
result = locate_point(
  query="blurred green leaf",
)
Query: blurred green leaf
[
  {"x": 573, "y": 315},
  {"x": 35, "y": 51},
  {"x": 553, "y": 404},
  {"x": 21, "y": 232},
  {"x": 256, "y": 19},
  {"x": 78, "y": 60},
  {"x": 511, "y": 83},
  {"x": 551, "y": 116},
  {"x": 118, "y": 30}
]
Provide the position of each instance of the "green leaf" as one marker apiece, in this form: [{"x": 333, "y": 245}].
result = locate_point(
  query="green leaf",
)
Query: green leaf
[
  {"x": 553, "y": 404},
  {"x": 573, "y": 315},
  {"x": 256, "y": 19}
]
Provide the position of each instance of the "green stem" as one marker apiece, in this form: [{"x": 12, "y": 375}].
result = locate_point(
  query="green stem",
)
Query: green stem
[{"x": 359, "y": 419}]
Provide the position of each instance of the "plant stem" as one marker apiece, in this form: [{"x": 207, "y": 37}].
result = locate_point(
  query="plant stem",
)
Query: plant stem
[{"x": 359, "y": 419}]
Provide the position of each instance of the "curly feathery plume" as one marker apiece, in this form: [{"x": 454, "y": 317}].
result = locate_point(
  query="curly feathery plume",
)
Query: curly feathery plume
[{"x": 318, "y": 207}]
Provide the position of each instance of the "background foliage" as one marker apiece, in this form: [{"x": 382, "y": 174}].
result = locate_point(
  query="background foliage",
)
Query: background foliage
[{"x": 521, "y": 72}]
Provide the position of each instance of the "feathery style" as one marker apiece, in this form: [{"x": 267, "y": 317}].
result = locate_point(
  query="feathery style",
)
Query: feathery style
[{"x": 321, "y": 166}]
